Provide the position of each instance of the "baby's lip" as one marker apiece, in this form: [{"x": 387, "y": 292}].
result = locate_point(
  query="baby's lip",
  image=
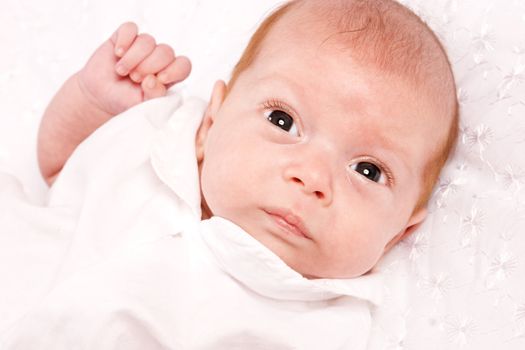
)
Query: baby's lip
[{"x": 291, "y": 222}]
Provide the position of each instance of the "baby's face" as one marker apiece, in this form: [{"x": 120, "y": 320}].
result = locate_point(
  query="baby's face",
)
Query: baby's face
[{"x": 317, "y": 158}]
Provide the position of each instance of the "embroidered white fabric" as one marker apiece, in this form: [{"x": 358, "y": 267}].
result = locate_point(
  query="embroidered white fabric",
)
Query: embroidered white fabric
[{"x": 455, "y": 284}]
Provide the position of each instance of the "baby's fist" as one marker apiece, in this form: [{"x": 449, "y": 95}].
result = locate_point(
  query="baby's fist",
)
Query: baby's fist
[
  {"x": 152, "y": 65},
  {"x": 130, "y": 68}
]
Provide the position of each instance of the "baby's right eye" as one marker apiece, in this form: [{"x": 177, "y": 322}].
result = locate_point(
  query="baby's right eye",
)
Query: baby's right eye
[{"x": 283, "y": 120}]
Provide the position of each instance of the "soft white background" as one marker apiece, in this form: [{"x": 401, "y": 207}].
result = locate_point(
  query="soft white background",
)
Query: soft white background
[{"x": 456, "y": 284}]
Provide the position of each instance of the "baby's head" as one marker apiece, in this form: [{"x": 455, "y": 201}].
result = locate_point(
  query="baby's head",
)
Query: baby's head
[{"x": 327, "y": 141}]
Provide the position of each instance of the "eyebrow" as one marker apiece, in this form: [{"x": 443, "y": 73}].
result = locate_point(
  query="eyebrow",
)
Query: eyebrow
[
  {"x": 393, "y": 149},
  {"x": 290, "y": 86},
  {"x": 388, "y": 144}
]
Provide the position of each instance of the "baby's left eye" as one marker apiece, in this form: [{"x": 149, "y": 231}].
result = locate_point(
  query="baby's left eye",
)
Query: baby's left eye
[
  {"x": 369, "y": 170},
  {"x": 283, "y": 120}
]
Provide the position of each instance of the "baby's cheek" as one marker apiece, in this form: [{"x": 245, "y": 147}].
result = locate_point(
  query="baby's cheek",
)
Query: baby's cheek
[
  {"x": 362, "y": 257},
  {"x": 360, "y": 242},
  {"x": 219, "y": 185},
  {"x": 209, "y": 186}
]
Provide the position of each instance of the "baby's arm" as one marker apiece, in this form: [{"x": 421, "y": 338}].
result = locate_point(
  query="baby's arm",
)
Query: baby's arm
[{"x": 125, "y": 70}]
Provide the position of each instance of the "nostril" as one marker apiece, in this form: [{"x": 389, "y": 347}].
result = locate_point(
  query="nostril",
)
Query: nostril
[
  {"x": 320, "y": 195},
  {"x": 297, "y": 180}
]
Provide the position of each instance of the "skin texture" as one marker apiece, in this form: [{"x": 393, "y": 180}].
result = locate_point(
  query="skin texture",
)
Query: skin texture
[{"x": 282, "y": 186}]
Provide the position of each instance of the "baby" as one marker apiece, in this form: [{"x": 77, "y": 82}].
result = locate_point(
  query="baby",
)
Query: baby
[{"x": 316, "y": 158}]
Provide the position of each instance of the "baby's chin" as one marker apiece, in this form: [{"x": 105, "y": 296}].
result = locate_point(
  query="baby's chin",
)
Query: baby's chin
[
  {"x": 321, "y": 275},
  {"x": 328, "y": 271}
]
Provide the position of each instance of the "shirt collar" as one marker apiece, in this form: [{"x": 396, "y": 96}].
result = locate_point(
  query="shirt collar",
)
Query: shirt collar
[
  {"x": 260, "y": 269},
  {"x": 173, "y": 155}
]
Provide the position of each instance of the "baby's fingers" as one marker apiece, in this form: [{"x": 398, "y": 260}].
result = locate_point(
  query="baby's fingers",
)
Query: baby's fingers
[
  {"x": 141, "y": 48},
  {"x": 159, "y": 59},
  {"x": 177, "y": 71},
  {"x": 124, "y": 37},
  {"x": 152, "y": 88}
]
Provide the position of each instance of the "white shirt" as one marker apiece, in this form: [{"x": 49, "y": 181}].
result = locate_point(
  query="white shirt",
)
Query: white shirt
[{"x": 138, "y": 269}]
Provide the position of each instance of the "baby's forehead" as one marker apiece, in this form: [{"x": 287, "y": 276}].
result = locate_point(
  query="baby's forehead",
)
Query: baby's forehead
[{"x": 381, "y": 36}]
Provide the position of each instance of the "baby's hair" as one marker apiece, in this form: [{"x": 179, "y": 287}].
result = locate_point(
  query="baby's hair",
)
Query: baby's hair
[{"x": 387, "y": 37}]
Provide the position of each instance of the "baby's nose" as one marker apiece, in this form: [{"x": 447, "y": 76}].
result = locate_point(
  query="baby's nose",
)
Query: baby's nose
[{"x": 311, "y": 175}]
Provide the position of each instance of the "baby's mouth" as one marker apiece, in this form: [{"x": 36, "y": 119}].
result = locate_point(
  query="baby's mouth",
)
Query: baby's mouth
[{"x": 289, "y": 222}]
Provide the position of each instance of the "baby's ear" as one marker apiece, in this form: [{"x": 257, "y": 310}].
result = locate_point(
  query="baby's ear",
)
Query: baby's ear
[
  {"x": 217, "y": 97},
  {"x": 413, "y": 223}
]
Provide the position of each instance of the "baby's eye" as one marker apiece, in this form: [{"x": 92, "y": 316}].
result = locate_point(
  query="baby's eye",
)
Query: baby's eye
[
  {"x": 369, "y": 170},
  {"x": 282, "y": 120}
]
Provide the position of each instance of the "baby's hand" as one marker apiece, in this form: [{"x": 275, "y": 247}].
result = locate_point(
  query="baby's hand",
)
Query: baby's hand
[{"x": 130, "y": 68}]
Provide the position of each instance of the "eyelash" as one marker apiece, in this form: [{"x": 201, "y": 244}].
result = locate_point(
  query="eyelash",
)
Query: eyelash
[
  {"x": 277, "y": 104},
  {"x": 273, "y": 104}
]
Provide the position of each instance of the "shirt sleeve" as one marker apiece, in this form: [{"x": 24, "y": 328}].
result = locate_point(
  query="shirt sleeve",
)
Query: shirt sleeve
[
  {"x": 108, "y": 182},
  {"x": 121, "y": 144}
]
